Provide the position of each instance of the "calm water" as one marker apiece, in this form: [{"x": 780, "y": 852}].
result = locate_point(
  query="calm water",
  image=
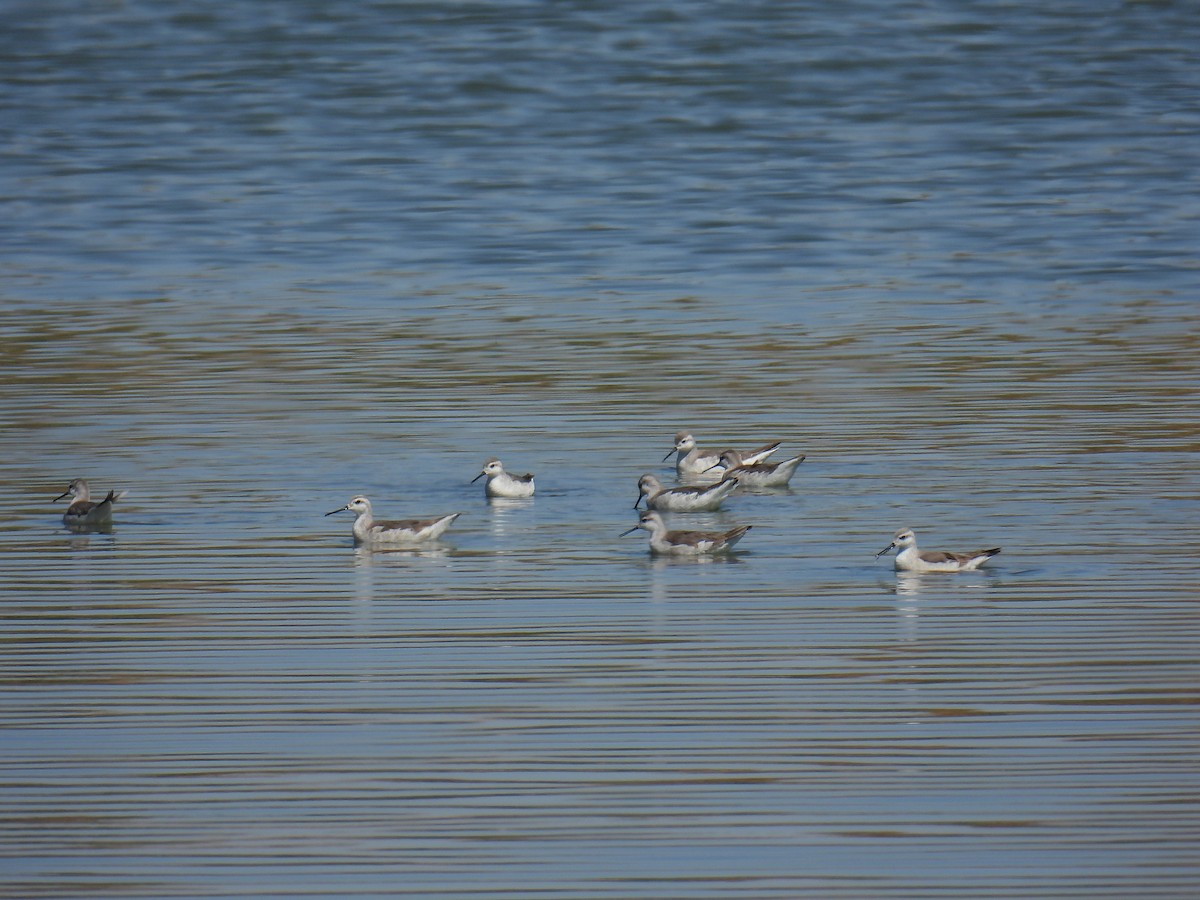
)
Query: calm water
[{"x": 260, "y": 257}]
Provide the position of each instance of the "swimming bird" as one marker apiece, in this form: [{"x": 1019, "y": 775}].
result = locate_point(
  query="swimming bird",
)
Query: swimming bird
[
  {"x": 691, "y": 460},
  {"x": 761, "y": 474},
  {"x": 910, "y": 559},
  {"x": 685, "y": 543},
  {"x": 501, "y": 483},
  {"x": 689, "y": 498},
  {"x": 409, "y": 531},
  {"x": 85, "y": 514}
]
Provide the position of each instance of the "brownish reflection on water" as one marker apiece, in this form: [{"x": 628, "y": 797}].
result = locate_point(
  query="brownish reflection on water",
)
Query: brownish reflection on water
[{"x": 225, "y": 681}]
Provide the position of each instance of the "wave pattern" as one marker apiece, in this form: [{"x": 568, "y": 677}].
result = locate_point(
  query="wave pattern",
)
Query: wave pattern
[{"x": 258, "y": 262}]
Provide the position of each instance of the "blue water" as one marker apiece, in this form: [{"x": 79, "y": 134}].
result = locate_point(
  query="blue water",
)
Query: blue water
[{"x": 257, "y": 258}]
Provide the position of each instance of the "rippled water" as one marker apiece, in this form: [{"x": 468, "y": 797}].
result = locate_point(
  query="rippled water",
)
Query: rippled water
[{"x": 260, "y": 257}]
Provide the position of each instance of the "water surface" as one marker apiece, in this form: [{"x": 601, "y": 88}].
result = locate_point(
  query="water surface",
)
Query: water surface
[{"x": 260, "y": 258}]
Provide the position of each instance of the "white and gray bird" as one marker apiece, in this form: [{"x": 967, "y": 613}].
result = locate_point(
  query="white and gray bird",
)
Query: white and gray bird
[
  {"x": 760, "y": 474},
  {"x": 692, "y": 460},
  {"x": 689, "y": 498},
  {"x": 910, "y": 559},
  {"x": 685, "y": 543},
  {"x": 503, "y": 484},
  {"x": 84, "y": 513},
  {"x": 407, "y": 531}
]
